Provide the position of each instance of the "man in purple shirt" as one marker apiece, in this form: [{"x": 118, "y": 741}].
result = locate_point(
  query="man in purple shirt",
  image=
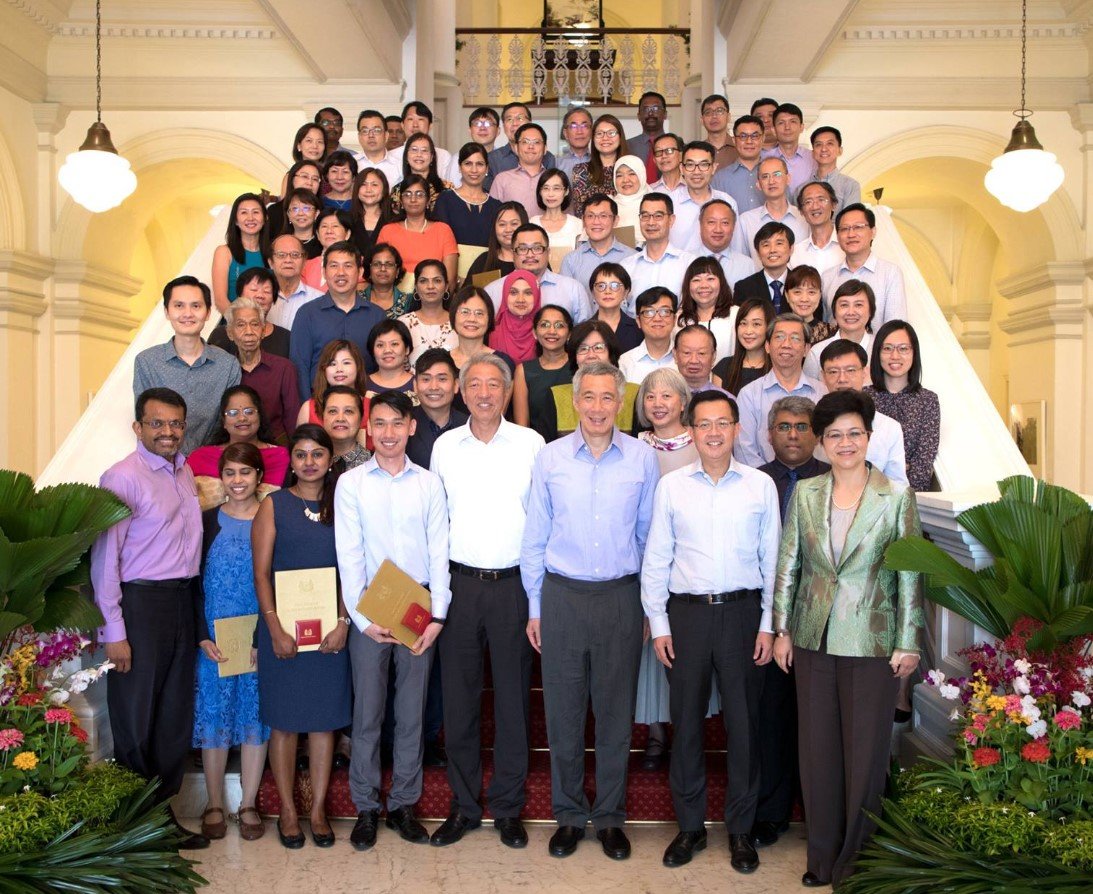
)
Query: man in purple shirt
[
  {"x": 588, "y": 517},
  {"x": 519, "y": 184},
  {"x": 144, "y": 571}
]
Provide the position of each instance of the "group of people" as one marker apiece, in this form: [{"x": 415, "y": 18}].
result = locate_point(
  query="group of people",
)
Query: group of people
[{"x": 670, "y": 470}]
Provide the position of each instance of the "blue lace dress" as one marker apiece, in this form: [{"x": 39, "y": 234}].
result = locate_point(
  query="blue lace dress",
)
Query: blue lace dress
[{"x": 226, "y": 710}]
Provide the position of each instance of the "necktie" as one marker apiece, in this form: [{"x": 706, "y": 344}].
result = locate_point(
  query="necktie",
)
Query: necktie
[
  {"x": 776, "y": 291},
  {"x": 787, "y": 495}
]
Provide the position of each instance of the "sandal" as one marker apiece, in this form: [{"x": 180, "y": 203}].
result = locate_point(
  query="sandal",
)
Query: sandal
[
  {"x": 250, "y": 831},
  {"x": 213, "y": 831}
]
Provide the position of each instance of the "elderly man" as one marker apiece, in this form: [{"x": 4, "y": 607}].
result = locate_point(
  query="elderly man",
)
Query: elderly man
[
  {"x": 694, "y": 350},
  {"x": 144, "y": 571},
  {"x": 588, "y": 519},
  {"x": 531, "y": 245},
  {"x": 486, "y": 468},
  {"x": 668, "y": 157},
  {"x": 577, "y": 133},
  {"x": 260, "y": 286},
  {"x": 286, "y": 260},
  {"x": 713, "y": 548},
  {"x": 817, "y": 202},
  {"x": 856, "y": 228}
]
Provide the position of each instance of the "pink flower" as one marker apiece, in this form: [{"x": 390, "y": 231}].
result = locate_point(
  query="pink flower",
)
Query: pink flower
[
  {"x": 1013, "y": 704},
  {"x": 970, "y": 737},
  {"x": 980, "y": 722},
  {"x": 10, "y": 738},
  {"x": 1066, "y": 719},
  {"x": 59, "y": 715}
]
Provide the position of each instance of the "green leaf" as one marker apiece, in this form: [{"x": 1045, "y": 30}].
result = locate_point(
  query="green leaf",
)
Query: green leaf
[
  {"x": 10, "y": 621},
  {"x": 71, "y": 609}
]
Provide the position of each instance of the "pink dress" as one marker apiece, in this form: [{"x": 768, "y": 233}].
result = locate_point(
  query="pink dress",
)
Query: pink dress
[{"x": 206, "y": 460}]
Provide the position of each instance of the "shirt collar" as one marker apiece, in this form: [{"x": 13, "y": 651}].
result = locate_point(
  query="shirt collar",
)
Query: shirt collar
[
  {"x": 372, "y": 466},
  {"x": 578, "y": 443},
  {"x": 171, "y": 352},
  {"x": 499, "y": 435},
  {"x": 869, "y": 264},
  {"x": 695, "y": 470},
  {"x": 155, "y": 462}
]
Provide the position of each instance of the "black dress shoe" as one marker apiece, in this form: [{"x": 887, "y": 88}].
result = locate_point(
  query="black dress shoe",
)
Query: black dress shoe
[
  {"x": 453, "y": 828},
  {"x": 323, "y": 839},
  {"x": 187, "y": 840},
  {"x": 512, "y": 831},
  {"x": 615, "y": 843},
  {"x": 292, "y": 842},
  {"x": 403, "y": 821},
  {"x": 744, "y": 858},
  {"x": 764, "y": 834},
  {"x": 811, "y": 880},
  {"x": 434, "y": 756},
  {"x": 363, "y": 835},
  {"x": 683, "y": 847},
  {"x": 564, "y": 841}
]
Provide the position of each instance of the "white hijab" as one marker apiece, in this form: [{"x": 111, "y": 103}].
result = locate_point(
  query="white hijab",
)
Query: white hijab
[{"x": 629, "y": 205}]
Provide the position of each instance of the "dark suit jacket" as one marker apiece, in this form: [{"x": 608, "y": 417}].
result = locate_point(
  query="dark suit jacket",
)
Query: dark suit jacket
[{"x": 754, "y": 286}]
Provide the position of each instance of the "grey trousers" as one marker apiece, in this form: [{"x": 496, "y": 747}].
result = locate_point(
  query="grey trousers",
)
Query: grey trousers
[
  {"x": 372, "y": 662},
  {"x": 591, "y": 633}
]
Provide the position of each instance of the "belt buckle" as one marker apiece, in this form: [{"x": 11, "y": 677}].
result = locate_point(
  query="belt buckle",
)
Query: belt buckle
[
  {"x": 709, "y": 598},
  {"x": 491, "y": 575}
]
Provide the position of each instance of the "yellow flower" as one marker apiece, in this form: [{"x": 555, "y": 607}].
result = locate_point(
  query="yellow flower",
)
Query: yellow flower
[
  {"x": 1081, "y": 755},
  {"x": 996, "y": 702},
  {"x": 25, "y": 760}
]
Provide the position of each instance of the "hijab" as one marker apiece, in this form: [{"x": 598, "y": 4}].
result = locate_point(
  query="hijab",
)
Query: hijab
[
  {"x": 629, "y": 205},
  {"x": 515, "y": 335}
]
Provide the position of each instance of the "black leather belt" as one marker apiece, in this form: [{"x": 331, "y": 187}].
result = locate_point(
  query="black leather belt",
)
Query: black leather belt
[
  {"x": 484, "y": 573},
  {"x": 174, "y": 583},
  {"x": 715, "y": 598}
]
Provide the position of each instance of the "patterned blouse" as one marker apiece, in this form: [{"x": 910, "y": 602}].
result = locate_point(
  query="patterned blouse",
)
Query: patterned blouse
[
  {"x": 434, "y": 194},
  {"x": 920, "y": 415},
  {"x": 582, "y": 188}
]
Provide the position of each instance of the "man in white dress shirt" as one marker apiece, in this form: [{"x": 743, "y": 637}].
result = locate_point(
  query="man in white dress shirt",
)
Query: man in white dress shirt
[
  {"x": 390, "y": 508},
  {"x": 856, "y": 228},
  {"x": 774, "y": 182},
  {"x": 657, "y": 308},
  {"x": 818, "y": 203},
  {"x": 659, "y": 263},
  {"x": 372, "y": 136},
  {"x": 844, "y": 369},
  {"x": 712, "y": 552},
  {"x": 531, "y": 246},
  {"x": 699, "y": 166},
  {"x": 486, "y": 467}
]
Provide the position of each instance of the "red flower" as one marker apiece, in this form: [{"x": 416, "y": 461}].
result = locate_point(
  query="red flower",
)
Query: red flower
[
  {"x": 1036, "y": 752},
  {"x": 78, "y": 732},
  {"x": 28, "y": 699},
  {"x": 986, "y": 757},
  {"x": 1066, "y": 719}
]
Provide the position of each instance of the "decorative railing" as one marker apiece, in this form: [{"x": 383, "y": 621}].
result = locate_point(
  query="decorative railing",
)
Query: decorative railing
[{"x": 605, "y": 66}]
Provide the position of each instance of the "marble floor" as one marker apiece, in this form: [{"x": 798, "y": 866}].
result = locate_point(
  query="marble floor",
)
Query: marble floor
[{"x": 481, "y": 864}]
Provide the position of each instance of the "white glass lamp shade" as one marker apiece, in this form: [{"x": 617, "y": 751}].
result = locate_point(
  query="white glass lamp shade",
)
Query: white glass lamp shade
[
  {"x": 1024, "y": 176},
  {"x": 97, "y": 180}
]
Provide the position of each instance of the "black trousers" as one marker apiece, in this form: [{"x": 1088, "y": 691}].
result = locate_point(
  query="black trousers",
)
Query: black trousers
[
  {"x": 152, "y": 706},
  {"x": 591, "y": 633},
  {"x": 709, "y": 641},
  {"x": 481, "y": 614},
  {"x": 779, "y": 779}
]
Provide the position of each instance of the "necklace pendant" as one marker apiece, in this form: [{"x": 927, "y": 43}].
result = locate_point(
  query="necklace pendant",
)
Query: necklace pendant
[{"x": 312, "y": 516}]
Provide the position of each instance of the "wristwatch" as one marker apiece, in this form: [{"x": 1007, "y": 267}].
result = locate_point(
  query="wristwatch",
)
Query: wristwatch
[
  {"x": 346, "y": 621},
  {"x": 781, "y": 633}
]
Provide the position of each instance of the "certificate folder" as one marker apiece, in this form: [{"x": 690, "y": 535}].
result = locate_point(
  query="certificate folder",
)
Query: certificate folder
[
  {"x": 307, "y": 604},
  {"x": 233, "y": 639},
  {"x": 392, "y": 599}
]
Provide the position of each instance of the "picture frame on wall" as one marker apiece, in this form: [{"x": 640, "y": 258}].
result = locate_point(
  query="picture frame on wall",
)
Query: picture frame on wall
[
  {"x": 1028, "y": 427},
  {"x": 572, "y": 14}
]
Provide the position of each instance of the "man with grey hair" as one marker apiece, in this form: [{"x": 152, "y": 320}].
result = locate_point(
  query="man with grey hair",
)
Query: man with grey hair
[
  {"x": 486, "y": 468},
  {"x": 587, "y": 523},
  {"x": 789, "y": 424}
]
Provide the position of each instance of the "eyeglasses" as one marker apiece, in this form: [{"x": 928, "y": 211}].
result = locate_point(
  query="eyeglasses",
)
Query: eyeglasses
[
  {"x": 516, "y": 119},
  {"x": 708, "y": 425},
  {"x": 536, "y": 249},
  {"x": 578, "y": 125},
  {"x": 902, "y": 350},
  {"x": 382, "y": 264},
  {"x": 414, "y": 194},
  {"x": 530, "y": 144},
  {"x": 658, "y": 216},
  {"x": 652, "y": 312},
  {"x": 371, "y": 131},
  {"x": 651, "y": 107},
  {"x": 282, "y": 255},
  {"x": 800, "y": 427},
  {"x": 815, "y": 200},
  {"x": 792, "y": 337},
  {"x": 716, "y": 112},
  {"x": 157, "y": 424},
  {"x": 854, "y": 228},
  {"x": 483, "y": 122},
  {"x": 598, "y": 348},
  {"x": 610, "y": 134},
  {"x": 592, "y": 217},
  {"x": 469, "y": 312},
  {"x": 236, "y": 412},
  {"x": 835, "y": 437},
  {"x": 330, "y": 122},
  {"x": 556, "y": 325},
  {"x": 697, "y": 165},
  {"x": 838, "y": 372},
  {"x": 749, "y": 136},
  {"x": 296, "y": 209},
  {"x": 665, "y": 153},
  {"x": 772, "y": 175},
  {"x": 609, "y": 286}
]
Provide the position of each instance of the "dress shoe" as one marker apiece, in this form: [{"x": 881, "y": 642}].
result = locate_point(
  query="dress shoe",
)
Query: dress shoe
[
  {"x": 656, "y": 755},
  {"x": 322, "y": 839},
  {"x": 764, "y": 834},
  {"x": 363, "y": 835},
  {"x": 811, "y": 880},
  {"x": 214, "y": 824},
  {"x": 187, "y": 840},
  {"x": 564, "y": 841},
  {"x": 303, "y": 763},
  {"x": 403, "y": 821},
  {"x": 434, "y": 756},
  {"x": 683, "y": 847},
  {"x": 453, "y": 828},
  {"x": 512, "y": 831},
  {"x": 615, "y": 843},
  {"x": 292, "y": 842},
  {"x": 744, "y": 858}
]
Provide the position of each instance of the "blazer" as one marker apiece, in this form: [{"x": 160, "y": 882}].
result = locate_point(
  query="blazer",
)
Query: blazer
[
  {"x": 754, "y": 286},
  {"x": 867, "y": 610}
]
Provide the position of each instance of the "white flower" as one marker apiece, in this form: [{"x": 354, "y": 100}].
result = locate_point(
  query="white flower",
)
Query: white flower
[
  {"x": 1087, "y": 672},
  {"x": 1022, "y": 666},
  {"x": 1029, "y": 708},
  {"x": 26, "y": 788},
  {"x": 1037, "y": 729},
  {"x": 57, "y": 697},
  {"x": 935, "y": 677},
  {"x": 949, "y": 691},
  {"x": 1079, "y": 699},
  {"x": 1021, "y": 686},
  {"x": 955, "y": 715}
]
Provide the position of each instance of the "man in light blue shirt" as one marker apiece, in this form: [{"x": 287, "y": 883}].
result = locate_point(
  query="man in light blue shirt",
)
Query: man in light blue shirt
[
  {"x": 287, "y": 263},
  {"x": 390, "y": 509},
  {"x": 693, "y": 193},
  {"x": 716, "y": 222},
  {"x": 712, "y": 553},
  {"x": 775, "y": 182},
  {"x": 600, "y": 216},
  {"x": 659, "y": 263},
  {"x": 738, "y": 179},
  {"x": 577, "y": 132},
  {"x": 588, "y": 519}
]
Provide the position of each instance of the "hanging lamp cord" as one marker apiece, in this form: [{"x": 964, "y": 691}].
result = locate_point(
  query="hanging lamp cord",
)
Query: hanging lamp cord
[{"x": 98, "y": 61}]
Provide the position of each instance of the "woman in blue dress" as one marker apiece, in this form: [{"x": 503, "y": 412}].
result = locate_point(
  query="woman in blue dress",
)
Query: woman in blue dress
[
  {"x": 246, "y": 245},
  {"x": 300, "y": 692},
  {"x": 226, "y": 709}
]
